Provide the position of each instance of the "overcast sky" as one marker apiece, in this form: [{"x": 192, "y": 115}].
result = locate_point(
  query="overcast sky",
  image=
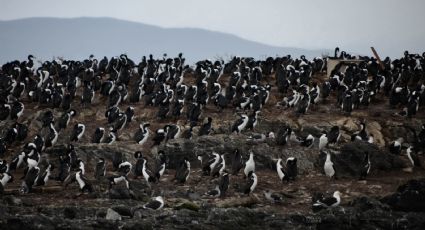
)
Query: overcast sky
[{"x": 392, "y": 26}]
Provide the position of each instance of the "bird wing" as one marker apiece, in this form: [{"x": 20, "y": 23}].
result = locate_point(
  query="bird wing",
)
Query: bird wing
[
  {"x": 69, "y": 179},
  {"x": 328, "y": 201},
  {"x": 154, "y": 204}
]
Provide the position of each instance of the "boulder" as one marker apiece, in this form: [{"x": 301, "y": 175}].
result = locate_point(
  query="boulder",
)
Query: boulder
[
  {"x": 265, "y": 154},
  {"x": 112, "y": 215},
  {"x": 350, "y": 160},
  {"x": 409, "y": 197}
]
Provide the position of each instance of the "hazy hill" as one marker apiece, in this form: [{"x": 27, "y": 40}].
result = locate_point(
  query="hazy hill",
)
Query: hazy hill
[{"x": 80, "y": 37}]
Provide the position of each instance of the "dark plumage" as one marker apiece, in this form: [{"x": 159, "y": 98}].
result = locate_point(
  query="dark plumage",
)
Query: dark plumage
[
  {"x": 183, "y": 171},
  {"x": 251, "y": 183},
  {"x": 100, "y": 170},
  {"x": 77, "y": 132},
  {"x": 98, "y": 135},
  {"x": 237, "y": 162},
  {"x": 64, "y": 120},
  {"x": 206, "y": 127}
]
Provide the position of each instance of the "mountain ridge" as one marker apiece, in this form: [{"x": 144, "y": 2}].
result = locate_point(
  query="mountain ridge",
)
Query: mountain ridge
[{"x": 77, "y": 38}]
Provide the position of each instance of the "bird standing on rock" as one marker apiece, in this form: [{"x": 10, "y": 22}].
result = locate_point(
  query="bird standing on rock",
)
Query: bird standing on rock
[
  {"x": 100, "y": 170},
  {"x": 329, "y": 202},
  {"x": 183, "y": 172},
  {"x": 281, "y": 171},
  {"x": 329, "y": 166},
  {"x": 366, "y": 167},
  {"x": 155, "y": 204},
  {"x": 251, "y": 183},
  {"x": 249, "y": 165},
  {"x": 77, "y": 132},
  {"x": 240, "y": 124}
]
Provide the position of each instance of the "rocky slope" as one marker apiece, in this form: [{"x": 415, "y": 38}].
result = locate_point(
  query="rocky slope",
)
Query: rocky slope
[{"x": 378, "y": 203}]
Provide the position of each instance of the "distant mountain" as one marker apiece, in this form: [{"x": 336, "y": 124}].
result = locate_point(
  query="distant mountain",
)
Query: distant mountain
[{"x": 77, "y": 38}]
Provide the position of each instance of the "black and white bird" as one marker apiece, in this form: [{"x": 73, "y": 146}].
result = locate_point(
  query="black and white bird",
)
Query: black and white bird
[
  {"x": 64, "y": 120},
  {"x": 283, "y": 135},
  {"x": 45, "y": 176},
  {"x": 249, "y": 164},
  {"x": 142, "y": 134},
  {"x": 147, "y": 173},
  {"x": 124, "y": 168},
  {"x": 395, "y": 146},
  {"x": 366, "y": 167},
  {"x": 116, "y": 179},
  {"x": 362, "y": 134},
  {"x": 155, "y": 204},
  {"x": 112, "y": 136},
  {"x": 237, "y": 162},
  {"x": 7, "y": 178},
  {"x": 251, "y": 183},
  {"x": 160, "y": 164},
  {"x": 81, "y": 166},
  {"x": 240, "y": 124},
  {"x": 281, "y": 171},
  {"x": 64, "y": 168},
  {"x": 206, "y": 127},
  {"x": 413, "y": 158},
  {"x": 333, "y": 135},
  {"x": 208, "y": 162},
  {"x": 173, "y": 131},
  {"x": 129, "y": 112},
  {"x": 87, "y": 95},
  {"x": 120, "y": 122},
  {"x": 291, "y": 168},
  {"x": 215, "y": 192},
  {"x": 323, "y": 141},
  {"x": 29, "y": 180},
  {"x": 252, "y": 120},
  {"x": 218, "y": 168},
  {"x": 160, "y": 135},
  {"x": 329, "y": 166},
  {"x": 83, "y": 182},
  {"x": 16, "y": 162},
  {"x": 17, "y": 110},
  {"x": 138, "y": 168},
  {"x": 39, "y": 143},
  {"x": 306, "y": 141},
  {"x": 4, "y": 111},
  {"x": 52, "y": 136},
  {"x": 273, "y": 197},
  {"x": 223, "y": 183},
  {"x": 22, "y": 131},
  {"x": 98, "y": 135},
  {"x": 77, "y": 132},
  {"x": 100, "y": 170},
  {"x": 183, "y": 171},
  {"x": 329, "y": 202}
]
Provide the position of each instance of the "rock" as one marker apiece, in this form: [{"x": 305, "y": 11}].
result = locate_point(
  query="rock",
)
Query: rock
[
  {"x": 265, "y": 153},
  {"x": 112, "y": 215},
  {"x": 119, "y": 193},
  {"x": 123, "y": 210},
  {"x": 349, "y": 162},
  {"x": 70, "y": 212},
  {"x": 12, "y": 201},
  {"x": 185, "y": 204},
  {"x": 136, "y": 225},
  {"x": 409, "y": 197},
  {"x": 236, "y": 202},
  {"x": 374, "y": 128},
  {"x": 347, "y": 124}
]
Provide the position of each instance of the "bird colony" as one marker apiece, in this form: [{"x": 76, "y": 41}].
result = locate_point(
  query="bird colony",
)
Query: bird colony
[{"x": 184, "y": 97}]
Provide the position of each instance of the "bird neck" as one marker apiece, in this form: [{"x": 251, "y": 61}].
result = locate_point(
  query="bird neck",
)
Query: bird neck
[{"x": 328, "y": 157}]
